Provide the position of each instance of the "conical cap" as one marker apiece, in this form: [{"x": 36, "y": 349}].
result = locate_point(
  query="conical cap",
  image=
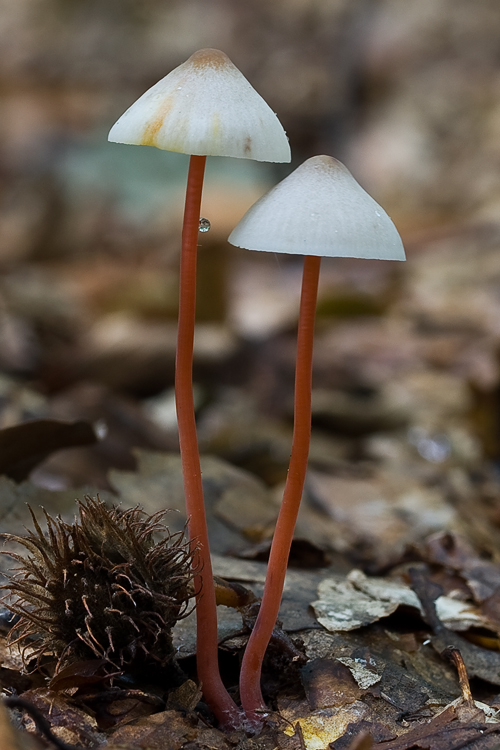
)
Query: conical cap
[
  {"x": 205, "y": 107},
  {"x": 319, "y": 209}
]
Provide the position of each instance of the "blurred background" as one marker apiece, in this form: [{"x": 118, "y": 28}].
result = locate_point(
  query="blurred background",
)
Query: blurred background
[{"x": 406, "y": 94}]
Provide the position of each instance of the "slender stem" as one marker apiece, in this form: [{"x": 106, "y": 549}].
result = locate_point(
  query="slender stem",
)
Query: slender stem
[
  {"x": 250, "y": 691},
  {"x": 214, "y": 691}
]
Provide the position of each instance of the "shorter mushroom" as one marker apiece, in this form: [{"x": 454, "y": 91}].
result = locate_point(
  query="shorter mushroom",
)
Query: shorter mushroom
[{"x": 318, "y": 210}]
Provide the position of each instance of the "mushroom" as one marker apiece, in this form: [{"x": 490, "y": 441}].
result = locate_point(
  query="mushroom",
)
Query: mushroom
[
  {"x": 203, "y": 107},
  {"x": 318, "y": 210}
]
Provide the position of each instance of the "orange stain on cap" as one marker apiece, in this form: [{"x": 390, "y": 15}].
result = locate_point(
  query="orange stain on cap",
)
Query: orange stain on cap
[
  {"x": 209, "y": 58},
  {"x": 153, "y": 128}
]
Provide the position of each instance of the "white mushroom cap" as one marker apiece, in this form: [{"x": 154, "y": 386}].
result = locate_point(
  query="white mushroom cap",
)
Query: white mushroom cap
[
  {"x": 205, "y": 107},
  {"x": 319, "y": 209}
]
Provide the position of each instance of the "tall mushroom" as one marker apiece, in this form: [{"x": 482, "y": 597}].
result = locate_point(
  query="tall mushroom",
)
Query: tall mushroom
[
  {"x": 205, "y": 107},
  {"x": 318, "y": 210}
]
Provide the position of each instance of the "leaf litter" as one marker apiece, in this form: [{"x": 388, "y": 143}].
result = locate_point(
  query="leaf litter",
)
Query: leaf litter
[{"x": 369, "y": 682}]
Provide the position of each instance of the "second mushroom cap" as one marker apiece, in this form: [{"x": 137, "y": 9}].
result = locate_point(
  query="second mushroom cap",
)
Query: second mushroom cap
[{"x": 319, "y": 209}]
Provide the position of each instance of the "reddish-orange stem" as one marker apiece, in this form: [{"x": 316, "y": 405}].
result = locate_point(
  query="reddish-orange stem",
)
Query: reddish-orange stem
[
  {"x": 214, "y": 691},
  {"x": 250, "y": 691}
]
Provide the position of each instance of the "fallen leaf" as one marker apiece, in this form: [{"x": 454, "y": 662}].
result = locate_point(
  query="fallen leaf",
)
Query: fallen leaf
[
  {"x": 158, "y": 484},
  {"x": 69, "y": 723},
  {"x": 323, "y": 726},
  {"x": 478, "y": 661},
  {"x": 357, "y": 600},
  {"x": 23, "y": 446},
  {"x": 167, "y": 729},
  {"x": 446, "y": 732},
  {"x": 342, "y": 607},
  {"x": 11, "y": 738},
  {"x": 380, "y": 514},
  {"x": 328, "y": 683},
  {"x": 363, "y": 729}
]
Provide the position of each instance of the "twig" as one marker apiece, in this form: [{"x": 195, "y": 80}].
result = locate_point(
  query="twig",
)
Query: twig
[
  {"x": 41, "y": 722},
  {"x": 456, "y": 657}
]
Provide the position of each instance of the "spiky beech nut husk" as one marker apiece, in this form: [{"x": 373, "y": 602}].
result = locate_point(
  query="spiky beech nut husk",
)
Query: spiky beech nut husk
[{"x": 100, "y": 587}]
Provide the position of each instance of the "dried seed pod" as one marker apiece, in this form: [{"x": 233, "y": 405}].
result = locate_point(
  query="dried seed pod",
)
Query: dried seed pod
[{"x": 101, "y": 587}]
